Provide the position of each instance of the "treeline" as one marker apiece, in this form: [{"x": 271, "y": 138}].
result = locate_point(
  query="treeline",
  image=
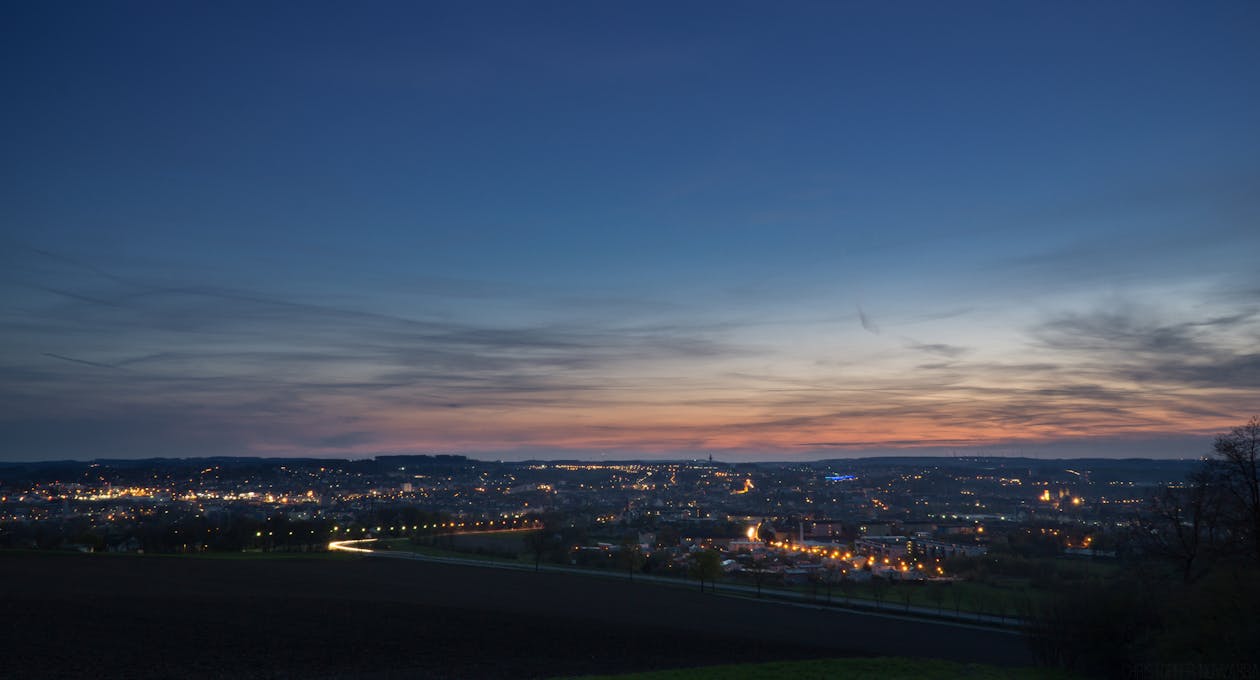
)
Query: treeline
[
  {"x": 177, "y": 531},
  {"x": 172, "y": 532},
  {"x": 1188, "y": 590}
]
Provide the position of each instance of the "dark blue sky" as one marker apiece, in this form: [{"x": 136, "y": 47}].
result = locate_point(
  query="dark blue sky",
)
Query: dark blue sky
[{"x": 531, "y": 228}]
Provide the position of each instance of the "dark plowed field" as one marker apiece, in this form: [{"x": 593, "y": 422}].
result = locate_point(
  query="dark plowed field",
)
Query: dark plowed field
[{"x": 121, "y": 617}]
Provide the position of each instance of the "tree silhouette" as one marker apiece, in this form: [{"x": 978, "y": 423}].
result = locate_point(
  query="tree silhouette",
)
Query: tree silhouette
[
  {"x": 907, "y": 593},
  {"x": 758, "y": 571},
  {"x": 540, "y": 543},
  {"x": 957, "y": 594},
  {"x": 831, "y": 574},
  {"x": 936, "y": 593},
  {"x": 879, "y": 589},
  {"x": 707, "y": 567},
  {"x": 630, "y": 554},
  {"x": 1184, "y": 525},
  {"x": 1237, "y": 469},
  {"x": 1214, "y": 515},
  {"x": 847, "y": 586}
]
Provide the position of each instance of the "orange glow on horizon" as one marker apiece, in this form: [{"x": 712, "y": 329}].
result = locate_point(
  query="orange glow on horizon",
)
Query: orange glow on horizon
[
  {"x": 641, "y": 419},
  {"x": 649, "y": 431}
]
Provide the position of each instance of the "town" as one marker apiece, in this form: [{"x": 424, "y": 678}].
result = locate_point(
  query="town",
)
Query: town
[{"x": 855, "y": 524}]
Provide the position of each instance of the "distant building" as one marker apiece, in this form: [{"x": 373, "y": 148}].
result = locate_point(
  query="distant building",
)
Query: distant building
[
  {"x": 875, "y": 529},
  {"x": 893, "y": 547},
  {"x": 929, "y": 548},
  {"x": 828, "y": 528}
]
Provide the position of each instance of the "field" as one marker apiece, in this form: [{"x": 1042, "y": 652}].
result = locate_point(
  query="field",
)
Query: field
[
  {"x": 146, "y": 617},
  {"x": 996, "y": 596},
  {"x": 961, "y": 597}
]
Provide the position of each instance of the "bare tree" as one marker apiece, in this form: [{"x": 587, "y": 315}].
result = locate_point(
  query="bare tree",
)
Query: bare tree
[
  {"x": 907, "y": 593},
  {"x": 1184, "y": 525},
  {"x": 541, "y": 543},
  {"x": 832, "y": 573},
  {"x": 936, "y": 593},
  {"x": 758, "y": 571},
  {"x": 707, "y": 567},
  {"x": 957, "y": 594},
  {"x": 1237, "y": 468},
  {"x": 847, "y": 586},
  {"x": 879, "y": 589},
  {"x": 630, "y": 554}
]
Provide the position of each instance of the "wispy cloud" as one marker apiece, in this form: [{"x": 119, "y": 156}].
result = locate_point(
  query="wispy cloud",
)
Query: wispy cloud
[
  {"x": 247, "y": 370},
  {"x": 866, "y": 321},
  {"x": 939, "y": 349},
  {"x": 221, "y": 355},
  {"x": 79, "y": 361}
]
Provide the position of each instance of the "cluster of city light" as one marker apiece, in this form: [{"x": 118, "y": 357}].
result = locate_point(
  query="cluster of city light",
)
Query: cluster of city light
[
  {"x": 571, "y": 467},
  {"x": 857, "y": 561},
  {"x": 503, "y": 525},
  {"x": 1086, "y": 543},
  {"x": 819, "y": 550},
  {"x": 109, "y": 493},
  {"x": 112, "y": 493}
]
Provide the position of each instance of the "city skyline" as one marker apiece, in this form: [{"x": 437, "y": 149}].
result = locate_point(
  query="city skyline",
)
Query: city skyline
[{"x": 569, "y": 231}]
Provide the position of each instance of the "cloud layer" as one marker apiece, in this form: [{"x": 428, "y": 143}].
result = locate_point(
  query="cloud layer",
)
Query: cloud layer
[{"x": 99, "y": 363}]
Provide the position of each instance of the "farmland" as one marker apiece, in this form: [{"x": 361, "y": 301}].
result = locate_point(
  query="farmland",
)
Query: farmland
[{"x": 143, "y": 617}]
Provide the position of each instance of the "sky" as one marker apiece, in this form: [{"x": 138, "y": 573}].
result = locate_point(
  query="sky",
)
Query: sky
[{"x": 768, "y": 231}]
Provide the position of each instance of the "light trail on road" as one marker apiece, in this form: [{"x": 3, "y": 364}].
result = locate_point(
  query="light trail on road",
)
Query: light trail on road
[{"x": 344, "y": 546}]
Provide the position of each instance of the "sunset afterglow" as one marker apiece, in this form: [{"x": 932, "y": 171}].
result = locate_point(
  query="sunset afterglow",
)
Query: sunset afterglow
[{"x": 626, "y": 236}]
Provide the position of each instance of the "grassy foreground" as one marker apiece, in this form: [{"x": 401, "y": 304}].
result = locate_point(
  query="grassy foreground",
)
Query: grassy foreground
[{"x": 883, "y": 668}]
